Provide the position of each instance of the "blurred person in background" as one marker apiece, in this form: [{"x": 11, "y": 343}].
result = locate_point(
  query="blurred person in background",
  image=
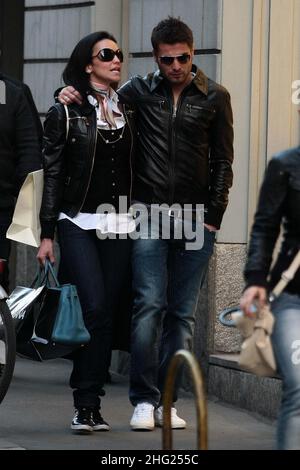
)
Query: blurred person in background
[
  {"x": 279, "y": 204},
  {"x": 20, "y": 153}
]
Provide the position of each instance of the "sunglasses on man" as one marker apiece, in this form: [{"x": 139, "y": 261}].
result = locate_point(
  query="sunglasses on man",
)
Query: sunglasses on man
[
  {"x": 107, "y": 55},
  {"x": 168, "y": 60}
]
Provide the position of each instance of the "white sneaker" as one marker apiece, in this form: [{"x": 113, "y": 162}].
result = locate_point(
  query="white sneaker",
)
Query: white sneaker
[
  {"x": 176, "y": 422},
  {"x": 143, "y": 417}
]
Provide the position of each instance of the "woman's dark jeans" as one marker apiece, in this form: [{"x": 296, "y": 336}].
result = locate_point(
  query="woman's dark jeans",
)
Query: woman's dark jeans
[{"x": 98, "y": 268}]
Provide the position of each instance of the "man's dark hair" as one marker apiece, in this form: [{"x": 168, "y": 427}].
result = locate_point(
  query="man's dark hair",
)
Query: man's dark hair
[
  {"x": 74, "y": 73},
  {"x": 171, "y": 31}
]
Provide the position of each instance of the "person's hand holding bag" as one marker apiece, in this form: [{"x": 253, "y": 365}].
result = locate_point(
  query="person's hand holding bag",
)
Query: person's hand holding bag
[
  {"x": 46, "y": 250},
  {"x": 251, "y": 296}
]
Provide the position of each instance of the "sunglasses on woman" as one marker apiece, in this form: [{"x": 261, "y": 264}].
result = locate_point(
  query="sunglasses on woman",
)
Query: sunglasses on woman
[
  {"x": 168, "y": 60},
  {"x": 107, "y": 55}
]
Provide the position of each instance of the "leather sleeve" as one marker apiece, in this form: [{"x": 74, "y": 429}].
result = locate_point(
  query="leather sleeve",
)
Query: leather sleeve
[
  {"x": 221, "y": 158},
  {"x": 34, "y": 112},
  {"x": 128, "y": 92},
  {"x": 54, "y": 168},
  {"x": 27, "y": 147},
  {"x": 267, "y": 223}
]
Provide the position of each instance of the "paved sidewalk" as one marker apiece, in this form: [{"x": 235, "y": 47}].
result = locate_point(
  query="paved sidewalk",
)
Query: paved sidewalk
[{"x": 37, "y": 412}]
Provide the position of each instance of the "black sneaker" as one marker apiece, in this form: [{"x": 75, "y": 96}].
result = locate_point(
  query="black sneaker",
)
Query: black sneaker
[
  {"x": 82, "y": 421},
  {"x": 98, "y": 422}
]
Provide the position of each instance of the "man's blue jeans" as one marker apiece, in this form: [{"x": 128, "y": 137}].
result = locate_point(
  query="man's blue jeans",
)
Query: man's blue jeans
[
  {"x": 286, "y": 344},
  {"x": 166, "y": 283}
]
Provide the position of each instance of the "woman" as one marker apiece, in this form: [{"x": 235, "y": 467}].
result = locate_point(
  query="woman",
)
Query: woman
[
  {"x": 87, "y": 162},
  {"x": 279, "y": 203}
]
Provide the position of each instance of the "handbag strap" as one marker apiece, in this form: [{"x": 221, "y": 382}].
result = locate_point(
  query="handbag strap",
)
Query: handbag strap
[
  {"x": 39, "y": 278},
  {"x": 49, "y": 269},
  {"x": 42, "y": 276},
  {"x": 67, "y": 121},
  {"x": 286, "y": 277}
]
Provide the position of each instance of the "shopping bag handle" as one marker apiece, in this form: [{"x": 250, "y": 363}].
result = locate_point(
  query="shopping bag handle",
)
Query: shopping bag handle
[
  {"x": 49, "y": 269},
  {"x": 39, "y": 278},
  {"x": 42, "y": 275}
]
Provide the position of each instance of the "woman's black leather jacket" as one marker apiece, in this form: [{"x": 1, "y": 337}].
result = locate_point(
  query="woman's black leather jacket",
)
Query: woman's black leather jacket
[
  {"x": 68, "y": 165},
  {"x": 279, "y": 202}
]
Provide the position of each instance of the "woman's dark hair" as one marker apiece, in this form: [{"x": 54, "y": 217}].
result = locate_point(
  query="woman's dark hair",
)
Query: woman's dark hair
[
  {"x": 171, "y": 31},
  {"x": 74, "y": 73}
]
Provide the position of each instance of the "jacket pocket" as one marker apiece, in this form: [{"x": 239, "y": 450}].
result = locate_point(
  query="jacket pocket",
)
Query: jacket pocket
[
  {"x": 145, "y": 101},
  {"x": 78, "y": 126},
  {"x": 195, "y": 108}
]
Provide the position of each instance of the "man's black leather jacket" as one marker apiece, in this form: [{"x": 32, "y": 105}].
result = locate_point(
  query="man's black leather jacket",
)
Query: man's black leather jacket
[
  {"x": 279, "y": 202},
  {"x": 68, "y": 165},
  {"x": 184, "y": 155}
]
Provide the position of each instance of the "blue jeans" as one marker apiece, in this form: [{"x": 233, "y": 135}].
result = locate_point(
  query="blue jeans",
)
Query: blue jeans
[
  {"x": 99, "y": 269},
  {"x": 286, "y": 344},
  {"x": 166, "y": 283}
]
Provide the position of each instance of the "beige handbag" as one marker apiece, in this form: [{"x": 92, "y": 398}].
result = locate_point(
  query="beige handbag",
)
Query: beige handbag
[
  {"x": 25, "y": 226},
  {"x": 256, "y": 354}
]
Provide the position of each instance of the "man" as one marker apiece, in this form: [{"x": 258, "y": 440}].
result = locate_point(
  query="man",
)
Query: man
[
  {"x": 184, "y": 156},
  {"x": 20, "y": 144}
]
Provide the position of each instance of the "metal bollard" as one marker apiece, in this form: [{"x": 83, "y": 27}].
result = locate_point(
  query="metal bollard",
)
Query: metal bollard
[{"x": 200, "y": 399}]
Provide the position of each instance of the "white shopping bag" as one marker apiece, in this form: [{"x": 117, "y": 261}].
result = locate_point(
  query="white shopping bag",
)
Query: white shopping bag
[{"x": 25, "y": 226}]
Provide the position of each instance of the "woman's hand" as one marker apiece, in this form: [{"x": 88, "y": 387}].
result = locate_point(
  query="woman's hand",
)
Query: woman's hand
[
  {"x": 69, "y": 95},
  {"x": 253, "y": 294},
  {"x": 46, "y": 251}
]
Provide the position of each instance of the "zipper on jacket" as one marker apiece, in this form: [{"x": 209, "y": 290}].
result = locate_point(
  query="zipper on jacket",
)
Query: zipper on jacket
[
  {"x": 172, "y": 152},
  {"x": 78, "y": 117},
  {"x": 175, "y": 112},
  {"x": 92, "y": 167},
  {"x": 130, "y": 154},
  {"x": 195, "y": 106}
]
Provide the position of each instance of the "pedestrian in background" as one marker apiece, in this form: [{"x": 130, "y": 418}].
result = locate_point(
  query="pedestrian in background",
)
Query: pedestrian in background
[
  {"x": 20, "y": 153},
  {"x": 279, "y": 204}
]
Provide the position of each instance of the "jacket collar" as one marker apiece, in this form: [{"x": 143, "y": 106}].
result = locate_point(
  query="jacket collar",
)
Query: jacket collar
[
  {"x": 157, "y": 78},
  {"x": 86, "y": 108},
  {"x": 200, "y": 80}
]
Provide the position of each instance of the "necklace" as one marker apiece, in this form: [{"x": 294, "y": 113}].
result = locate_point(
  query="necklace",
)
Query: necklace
[{"x": 111, "y": 141}]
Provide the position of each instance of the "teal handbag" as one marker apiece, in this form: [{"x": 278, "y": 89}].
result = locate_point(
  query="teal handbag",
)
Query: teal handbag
[
  {"x": 59, "y": 319},
  {"x": 69, "y": 327}
]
